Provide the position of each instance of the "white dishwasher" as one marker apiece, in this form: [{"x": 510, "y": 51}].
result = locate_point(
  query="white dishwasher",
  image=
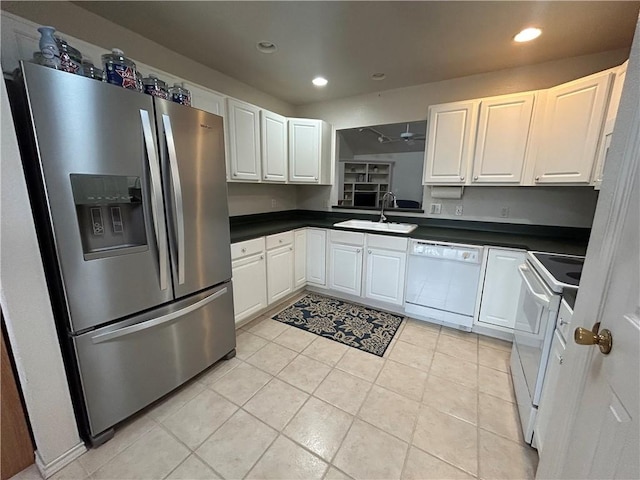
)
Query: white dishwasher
[{"x": 442, "y": 283}]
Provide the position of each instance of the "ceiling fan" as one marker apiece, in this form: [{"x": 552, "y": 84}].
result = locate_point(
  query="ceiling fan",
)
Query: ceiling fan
[{"x": 408, "y": 137}]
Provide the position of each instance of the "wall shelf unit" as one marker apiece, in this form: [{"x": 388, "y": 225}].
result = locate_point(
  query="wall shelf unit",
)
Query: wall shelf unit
[{"x": 364, "y": 183}]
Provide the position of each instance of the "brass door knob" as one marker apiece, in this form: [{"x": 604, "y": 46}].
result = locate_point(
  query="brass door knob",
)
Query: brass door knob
[{"x": 603, "y": 338}]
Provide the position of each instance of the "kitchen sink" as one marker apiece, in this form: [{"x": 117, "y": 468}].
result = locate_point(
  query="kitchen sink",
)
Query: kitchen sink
[{"x": 378, "y": 226}]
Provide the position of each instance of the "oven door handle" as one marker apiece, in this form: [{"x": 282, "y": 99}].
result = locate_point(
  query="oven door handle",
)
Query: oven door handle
[{"x": 539, "y": 298}]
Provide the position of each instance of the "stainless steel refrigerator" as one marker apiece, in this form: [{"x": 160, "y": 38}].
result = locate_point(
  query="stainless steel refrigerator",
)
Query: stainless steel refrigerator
[{"x": 130, "y": 198}]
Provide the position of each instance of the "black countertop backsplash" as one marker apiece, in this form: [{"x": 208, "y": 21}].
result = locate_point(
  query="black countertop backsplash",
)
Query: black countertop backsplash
[{"x": 543, "y": 238}]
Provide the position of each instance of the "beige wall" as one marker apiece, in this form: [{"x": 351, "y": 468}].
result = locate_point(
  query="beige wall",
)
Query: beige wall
[
  {"x": 78, "y": 22},
  {"x": 248, "y": 198},
  {"x": 550, "y": 205}
]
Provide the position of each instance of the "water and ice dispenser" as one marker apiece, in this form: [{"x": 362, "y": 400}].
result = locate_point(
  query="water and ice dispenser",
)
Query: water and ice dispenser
[{"x": 110, "y": 214}]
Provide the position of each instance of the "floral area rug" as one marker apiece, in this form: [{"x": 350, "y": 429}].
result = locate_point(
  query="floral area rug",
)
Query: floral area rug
[{"x": 359, "y": 327}]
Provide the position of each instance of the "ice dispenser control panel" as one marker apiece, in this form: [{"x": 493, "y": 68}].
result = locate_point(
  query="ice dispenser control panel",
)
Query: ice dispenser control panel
[{"x": 110, "y": 214}]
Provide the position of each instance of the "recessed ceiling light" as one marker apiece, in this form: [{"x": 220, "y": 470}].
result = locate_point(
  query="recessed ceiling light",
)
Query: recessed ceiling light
[
  {"x": 528, "y": 34},
  {"x": 378, "y": 76},
  {"x": 319, "y": 81},
  {"x": 266, "y": 47}
]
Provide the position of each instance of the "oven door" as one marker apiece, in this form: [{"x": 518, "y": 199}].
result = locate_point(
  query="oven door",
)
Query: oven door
[{"x": 535, "y": 321}]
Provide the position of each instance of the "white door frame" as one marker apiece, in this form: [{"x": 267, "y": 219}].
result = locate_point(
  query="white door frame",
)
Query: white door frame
[{"x": 621, "y": 172}]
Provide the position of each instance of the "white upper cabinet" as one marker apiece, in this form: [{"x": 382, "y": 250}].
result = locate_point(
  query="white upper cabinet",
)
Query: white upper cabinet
[
  {"x": 243, "y": 124},
  {"x": 503, "y": 131},
  {"x": 309, "y": 150},
  {"x": 450, "y": 137},
  {"x": 607, "y": 133},
  {"x": 206, "y": 100},
  {"x": 273, "y": 130},
  {"x": 572, "y": 124}
]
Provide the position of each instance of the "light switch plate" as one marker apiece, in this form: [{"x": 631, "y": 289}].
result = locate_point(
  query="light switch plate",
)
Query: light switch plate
[{"x": 458, "y": 210}]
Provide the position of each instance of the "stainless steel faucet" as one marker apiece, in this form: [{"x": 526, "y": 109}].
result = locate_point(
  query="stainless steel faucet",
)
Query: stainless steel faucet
[{"x": 384, "y": 198}]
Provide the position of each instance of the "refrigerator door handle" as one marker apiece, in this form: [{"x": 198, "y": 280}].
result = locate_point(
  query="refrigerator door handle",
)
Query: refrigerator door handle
[
  {"x": 105, "y": 337},
  {"x": 156, "y": 198},
  {"x": 177, "y": 194}
]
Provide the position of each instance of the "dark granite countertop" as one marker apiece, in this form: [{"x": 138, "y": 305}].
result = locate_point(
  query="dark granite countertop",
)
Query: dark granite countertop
[
  {"x": 569, "y": 295},
  {"x": 527, "y": 237}
]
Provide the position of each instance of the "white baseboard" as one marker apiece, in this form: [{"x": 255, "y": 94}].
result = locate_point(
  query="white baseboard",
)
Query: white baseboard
[{"x": 49, "y": 469}]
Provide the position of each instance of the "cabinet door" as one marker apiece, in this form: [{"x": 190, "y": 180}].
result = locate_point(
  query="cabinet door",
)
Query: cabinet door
[
  {"x": 450, "y": 137},
  {"x": 551, "y": 379},
  {"x": 345, "y": 268},
  {"x": 244, "y": 141},
  {"x": 607, "y": 133},
  {"x": 571, "y": 129},
  {"x": 273, "y": 133},
  {"x": 385, "y": 275},
  {"x": 279, "y": 273},
  {"x": 304, "y": 150},
  {"x": 300, "y": 261},
  {"x": 501, "y": 290},
  {"x": 249, "y": 286},
  {"x": 501, "y": 143},
  {"x": 316, "y": 256},
  {"x": 206, "y": 100}
]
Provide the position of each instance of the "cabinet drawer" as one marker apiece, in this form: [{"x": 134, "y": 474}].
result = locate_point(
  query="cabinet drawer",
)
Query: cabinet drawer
[
  {"x": 279, "y": 240},
  {"x": 387, "y": 243},
  {"x": 350, "y": 238},
  {"x": 249, "y": 247}
]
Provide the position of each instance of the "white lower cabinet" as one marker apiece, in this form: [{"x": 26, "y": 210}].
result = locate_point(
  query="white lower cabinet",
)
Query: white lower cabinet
[
  {"x": 385, "y": 275},
  {"x": 249, "y": 278},
  {"x": 316, "y": 256},
  {"x": 501, "y": 290},
  {"x": 279, "y": 273},
  {"x": 300, "y": 259},
  {"x": 345, "y": 268}
]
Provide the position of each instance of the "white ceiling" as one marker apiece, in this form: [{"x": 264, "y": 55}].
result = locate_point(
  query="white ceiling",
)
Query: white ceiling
[{"x": 412, "y": 42}]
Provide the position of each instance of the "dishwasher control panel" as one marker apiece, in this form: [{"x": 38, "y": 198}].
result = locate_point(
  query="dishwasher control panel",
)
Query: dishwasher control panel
[{"x": 459, "y": 253}]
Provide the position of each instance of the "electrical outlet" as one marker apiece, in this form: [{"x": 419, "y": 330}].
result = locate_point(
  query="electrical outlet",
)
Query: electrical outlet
[
  {"x": 504, "y": 213},
  {"x": 458, "y": 210},
  {"x": 274, "y": 203},
  {"x": 436, "y": 208}
]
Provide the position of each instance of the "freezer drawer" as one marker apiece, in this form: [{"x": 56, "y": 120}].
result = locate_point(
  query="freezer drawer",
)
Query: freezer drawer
[{"x": 126, "y": 366}]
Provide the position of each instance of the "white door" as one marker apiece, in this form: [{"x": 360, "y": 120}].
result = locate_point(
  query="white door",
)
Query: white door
[
  {"x": 206, "y": 100},
  {"x": 300, "y": 260},
  {"x": 450, "y": 136},
  {"x": 345, "y": 268},
  {"x": 273, "y": 133},
  {"x": 316, "y": 256},
  {"x": 249, "y": 286},
  {"x": 501, "y": 143},
  {"x": 304, "y": 150},
  {"x": 597, "y": 406},
  {"x": 279, "y": 273},
  {"x": 572, "y": 123},
  {"x": 243, "y": 123},
  {"x": 385, "y": 275},
  {"x": 501, "y": 290}
]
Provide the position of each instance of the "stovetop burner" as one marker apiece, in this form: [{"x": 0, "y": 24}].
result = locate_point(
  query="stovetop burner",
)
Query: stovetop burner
[{"x": 565, "y": 269}]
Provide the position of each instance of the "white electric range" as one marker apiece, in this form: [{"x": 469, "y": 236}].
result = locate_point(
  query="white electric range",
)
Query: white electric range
[{"x": 544, "y": 277}]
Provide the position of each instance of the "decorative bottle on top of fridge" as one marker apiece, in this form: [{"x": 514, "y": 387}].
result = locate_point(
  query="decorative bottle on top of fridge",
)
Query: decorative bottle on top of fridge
[{"x": 119, "y": 70}]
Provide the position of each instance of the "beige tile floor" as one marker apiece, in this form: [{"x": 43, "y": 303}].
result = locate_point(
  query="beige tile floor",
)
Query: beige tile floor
[{"x": 294, "y": 405}]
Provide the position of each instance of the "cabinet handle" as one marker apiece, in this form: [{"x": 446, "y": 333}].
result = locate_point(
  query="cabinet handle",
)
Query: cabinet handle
[
  {"x": 560, "y": 360},
  {"x": 291, "y": 248},
  {"x": 265, "y": 177},
  {"x": 475, "y": 178},
  {"x": 563, "y": 322},
  {"x": 369, "y": 251},
  {"x": 358, "y": 251},
  {"x": 461, "y": 177},
  {"x": 537, "y": 179},
  {"x": 261, "y": 257},
  {"x": 243, "y": 250},
  {"x": 316, "y": 178},
  {"x": 280, "y": 241}
]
